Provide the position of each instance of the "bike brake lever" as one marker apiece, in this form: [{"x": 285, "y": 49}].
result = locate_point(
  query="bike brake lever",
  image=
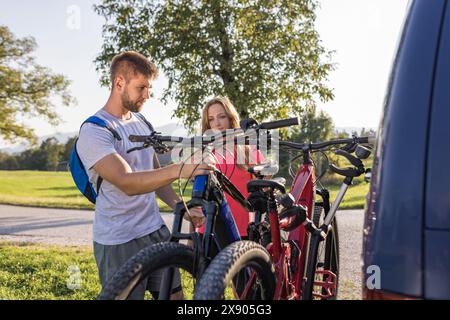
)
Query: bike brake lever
[
  {"x": 350, "y": 148},
  {"x": 348, "y": 172},
  {"x": 353, "y": 160}
]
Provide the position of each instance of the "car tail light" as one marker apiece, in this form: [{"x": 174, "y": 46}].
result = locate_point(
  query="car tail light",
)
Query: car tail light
[{"x": 382, "y": 295}]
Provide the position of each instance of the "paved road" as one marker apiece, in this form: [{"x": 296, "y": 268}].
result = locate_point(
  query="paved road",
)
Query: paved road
[
  {"x": 74, "y": 227},
  {"x": 51, "y": 226}
]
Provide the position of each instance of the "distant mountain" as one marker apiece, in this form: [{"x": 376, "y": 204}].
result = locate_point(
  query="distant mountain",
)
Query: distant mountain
[
  {"x": 61, "y": 137},
  {"x": 15, "y": 148}
]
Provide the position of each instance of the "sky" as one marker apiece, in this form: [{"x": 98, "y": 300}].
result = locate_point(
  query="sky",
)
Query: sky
[{"x": 362, "y": 33}]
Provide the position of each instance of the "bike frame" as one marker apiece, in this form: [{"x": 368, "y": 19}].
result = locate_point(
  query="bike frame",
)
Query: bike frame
[
  {"x": 303, "y": 191},
  {"x": 285, "y": 259},
  {"x": 291, "y": 258}
]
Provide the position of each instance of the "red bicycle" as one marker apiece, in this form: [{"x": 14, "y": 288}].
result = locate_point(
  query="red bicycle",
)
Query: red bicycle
[{"x": 305, "y": 262}]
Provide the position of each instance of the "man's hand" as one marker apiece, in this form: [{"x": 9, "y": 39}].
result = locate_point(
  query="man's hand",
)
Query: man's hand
[
  {"x": 196, "y": 215},
  {"x": 192, "y": 170},
  {"x": 191, "y": 167}
]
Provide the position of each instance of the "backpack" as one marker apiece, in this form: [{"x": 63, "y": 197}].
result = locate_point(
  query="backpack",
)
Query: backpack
[{"x": 79, "y": 173}]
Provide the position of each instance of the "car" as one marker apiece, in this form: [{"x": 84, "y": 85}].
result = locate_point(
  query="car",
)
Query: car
[{"x": 406, "y": 236}]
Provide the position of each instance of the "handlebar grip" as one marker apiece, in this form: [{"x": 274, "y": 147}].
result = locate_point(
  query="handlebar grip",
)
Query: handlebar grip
[
  {"x": 353, "y": 160},
  {"x": 368, "y": 140},
  {"x": 170, "y": 139},
  {"x": 135, "y": 138},
  {"x": 347, "y": 172},
  {"x": 280, "y": 123}
]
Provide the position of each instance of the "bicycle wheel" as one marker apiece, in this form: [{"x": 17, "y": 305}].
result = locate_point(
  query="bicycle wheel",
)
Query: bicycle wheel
[
  {"x": 151, "y": 259},
  {"x": 243, "y": 270},
  {"x": 323, "y": 273}
]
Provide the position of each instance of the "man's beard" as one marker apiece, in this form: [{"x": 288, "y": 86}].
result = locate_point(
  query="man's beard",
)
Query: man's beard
[{"x": 129, "y": 104}]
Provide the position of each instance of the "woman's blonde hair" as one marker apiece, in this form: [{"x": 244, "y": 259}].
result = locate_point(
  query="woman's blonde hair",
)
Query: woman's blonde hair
[
  {"x": 229, "y": 108},
  {"x": 234, "y": 119}
]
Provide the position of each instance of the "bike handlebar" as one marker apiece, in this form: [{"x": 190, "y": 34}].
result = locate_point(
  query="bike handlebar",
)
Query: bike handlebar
[
  {"x": 322, "y": 145},
  {"x": 137, "y": 138},
  {"x": 279, "y": 124},
  {"x": 155, "y": 137}
]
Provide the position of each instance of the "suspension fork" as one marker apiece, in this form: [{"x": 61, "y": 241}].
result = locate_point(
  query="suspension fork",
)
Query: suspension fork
[
  {"x": 199, "y": 246},
  {"x": 167, "y": 278}
]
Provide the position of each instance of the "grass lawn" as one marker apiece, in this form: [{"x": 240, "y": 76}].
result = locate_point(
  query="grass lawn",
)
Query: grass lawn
[
  {"x": 355, "y": 197},
  {"x": 48, "y": 189},
  {"x": 44, "y": 272},
  {"x": 57, "y": 190}
]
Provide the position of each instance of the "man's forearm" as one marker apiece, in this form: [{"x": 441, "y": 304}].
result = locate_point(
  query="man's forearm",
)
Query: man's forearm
[
  {"x": 135, "y": 183},
  {"x": 118, "y": 172},
  {"x": 168, "y": 195}
]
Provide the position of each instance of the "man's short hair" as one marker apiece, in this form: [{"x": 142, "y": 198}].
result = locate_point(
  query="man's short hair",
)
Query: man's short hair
[{"x": 130, "y": 64}]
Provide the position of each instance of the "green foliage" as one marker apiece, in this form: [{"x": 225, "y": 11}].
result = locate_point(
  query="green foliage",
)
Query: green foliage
[
  {"x": 47, "y": 157},
  {"x": 314, "y": 127},
  {"x": 67, "y": 149},
  {"x": 265, "y": 55},
  {"x": 26, "y": 87}
]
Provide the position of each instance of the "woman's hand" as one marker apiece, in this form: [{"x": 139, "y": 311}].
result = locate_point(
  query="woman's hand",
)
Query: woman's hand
[{"x": 196, "y": 216}]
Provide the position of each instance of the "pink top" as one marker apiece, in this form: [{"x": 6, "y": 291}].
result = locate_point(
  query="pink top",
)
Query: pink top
[{"x": 239, "y": 177}]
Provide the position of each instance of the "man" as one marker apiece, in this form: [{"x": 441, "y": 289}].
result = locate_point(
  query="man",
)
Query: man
[{"x": 127, "y": 217}]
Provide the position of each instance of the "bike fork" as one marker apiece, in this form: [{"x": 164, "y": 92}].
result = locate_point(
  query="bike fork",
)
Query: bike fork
[{"x": 167, "y": 278}]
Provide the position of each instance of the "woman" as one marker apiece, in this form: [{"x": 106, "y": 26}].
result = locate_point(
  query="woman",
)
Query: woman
[{"x": 219, "y": 114}]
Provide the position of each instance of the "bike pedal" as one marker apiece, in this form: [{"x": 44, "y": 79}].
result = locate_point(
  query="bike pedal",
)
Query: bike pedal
[{"x": 327, "y": 287}]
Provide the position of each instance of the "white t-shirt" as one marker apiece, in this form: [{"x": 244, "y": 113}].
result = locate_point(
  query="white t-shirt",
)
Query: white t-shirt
[{"x": 119, "y": 218}]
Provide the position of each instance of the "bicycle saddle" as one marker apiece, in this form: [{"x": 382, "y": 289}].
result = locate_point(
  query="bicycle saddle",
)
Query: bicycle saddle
[
  {"x": 264, "y": 169},
  {"x": 276, "y": 183}
]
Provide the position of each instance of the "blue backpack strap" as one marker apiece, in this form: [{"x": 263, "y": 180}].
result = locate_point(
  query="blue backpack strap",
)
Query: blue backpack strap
[
  {"x": 149, "y": 125},
  {"x": 102, "y": 123},
  {"x": 76, "y": 166}
]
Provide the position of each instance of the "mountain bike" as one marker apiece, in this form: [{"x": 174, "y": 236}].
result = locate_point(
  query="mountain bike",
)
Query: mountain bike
[
  {"x": 220, "y": 228},
  {"x": 306, "y": 264}
]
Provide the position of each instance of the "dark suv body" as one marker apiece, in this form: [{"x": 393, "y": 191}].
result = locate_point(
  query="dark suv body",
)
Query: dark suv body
[{"x": 407, "y": 216}]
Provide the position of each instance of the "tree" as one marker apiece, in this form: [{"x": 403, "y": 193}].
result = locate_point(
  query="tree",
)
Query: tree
[
  {"x": 26, "y": 87},
  {"x": 265, "y": 55},
  {"x": 314, "y": 127},
  {"x": 364, "y": 132},
  {"x": 8, "y": 162},
  {"x": 67, "y": 149},
  {"x": 51, "y": 153}
]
